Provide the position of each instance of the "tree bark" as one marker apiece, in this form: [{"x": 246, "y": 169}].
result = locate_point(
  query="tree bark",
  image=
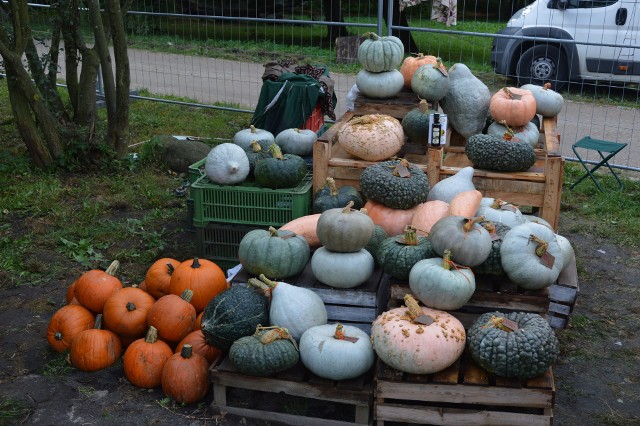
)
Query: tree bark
[{"x": 86, "y": 88}]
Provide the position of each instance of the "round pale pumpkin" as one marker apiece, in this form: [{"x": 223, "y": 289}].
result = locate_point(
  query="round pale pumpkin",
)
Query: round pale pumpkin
[
  {"x": 380, "y": 53},
  {"x": 379, "y": 85},
  {"x": 469, "y": 242},
  {"x": 513, "y": 106},
  {"x": 372, "y": 137},
  {"x": 342, "y": 270}
]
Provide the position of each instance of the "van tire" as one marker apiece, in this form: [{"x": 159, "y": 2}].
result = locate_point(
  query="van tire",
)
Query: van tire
[{"x": 541, "y": 64}]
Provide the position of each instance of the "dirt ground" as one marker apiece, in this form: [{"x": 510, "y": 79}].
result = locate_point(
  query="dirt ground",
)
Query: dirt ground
[{"x": 597, "y": 378}]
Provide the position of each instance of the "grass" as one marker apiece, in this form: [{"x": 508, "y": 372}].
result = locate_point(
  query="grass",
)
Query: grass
[{"x": 12, "y": 411}]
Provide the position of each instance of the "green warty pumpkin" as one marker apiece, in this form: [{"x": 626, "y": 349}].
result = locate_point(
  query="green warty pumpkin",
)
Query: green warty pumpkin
[
  {"x": 383, "y": 182},
  {"x": 492, "y": 152}
]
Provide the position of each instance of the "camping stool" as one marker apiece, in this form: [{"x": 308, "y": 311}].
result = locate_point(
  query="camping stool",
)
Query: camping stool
[{"x": 600, "y": 146}]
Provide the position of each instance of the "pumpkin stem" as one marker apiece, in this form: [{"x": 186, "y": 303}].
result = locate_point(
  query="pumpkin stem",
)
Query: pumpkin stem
[
  {"x": 186, "y": 351},
  {"x": 410, "y": 237},
  {"x": 58, "y": 336},
  {"x": 333, "y": 189},
  {"x": 547, "y": 86},
  {"x": 152, "y": 335},
  {"x": 497, "y": 322},
  {"x": 489, "y": 226},
  {"x": 470, "y": 222},
  {"x": 267, "y": 281},
  {"x": 276, "y": 152},
  {"x": 508, "y": 92},
  {"x": 266, "y": 290},
  {"x": 364, "y": 211},
  {"x": 273, "y": 231},
  {"x": 253, "y": 129},
  {"x": 195, "y": 264},
  {"x": 423, "y": 106},
  {"x": 402, "y": 168},
  {"x": 187, "y": 295},
  {"x": 170, "y": 268},
  {"x": 98, "y": 322},
  {"x": 542, "y": 245},
  {"x": 255, "y": 146},
  {"x": 131, "y": 306},
  {"x": 339, "y": 334},
  {"x": 371, "y": 35},
  {"x": 497, "y": 203},
  {"x": 111, "y": 270},
  {"x": 348, "y": 207},
  {"x": 273, "y": 334},
  {"x": 446, "y": 260},
  {"x": 414, "y": 308}
]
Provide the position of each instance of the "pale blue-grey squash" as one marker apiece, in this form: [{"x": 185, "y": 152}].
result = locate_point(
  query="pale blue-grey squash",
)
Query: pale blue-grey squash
[
  {"x": 342, "y": 270},
  {"x": 379, "y": 85},
  {"x": 469, "y": 242},
  {"x": 497, "y": 210},
  {"x": 296, "y": 141},
  {"x": 549, "y": 103},
  {"x": 528, "y": 133},
  {"x": 430, "y": 82},
  {"x": 380, "y": 53},
  {"x": 227, "y": 164},
  {"x": 446, "y": 189}
]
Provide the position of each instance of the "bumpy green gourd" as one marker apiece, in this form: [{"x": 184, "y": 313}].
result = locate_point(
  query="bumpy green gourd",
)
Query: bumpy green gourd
[
  {"x": 492, "y": 152},
  {"x": 416, "y": 123},
  {"x": 493, "y": 264},
  {"x": 281, "y": 170},
  {"x": 524, "y": 353},
  {"x": 400, "y": 253},
  {"x": 379, "y": 235},
  {"x": 383, "y": 183},
  {"x": 270, "y": 350},
  {"x": 330, "y": 197}
]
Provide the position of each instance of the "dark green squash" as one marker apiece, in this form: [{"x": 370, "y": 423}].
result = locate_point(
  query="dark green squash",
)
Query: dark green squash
[
  {"x": 274, "y": 253},
  {"x": 386, "y": 183},
  {"x": 492, "y": 152},
  {"x": 268, "y": 351},
  {"x": 416, "y": 123},
  {"x": 493, "y": 264},
  {"x": 330, "y": 197},
  {"x": 232, "y": 314},
  {"x": 281, "y": 170},
  {"x": 379, "y": 235},
  {"x": 398, "y": 254},
  {"x": 258, "y": 150},
  {"x": 523, "y": 353}
]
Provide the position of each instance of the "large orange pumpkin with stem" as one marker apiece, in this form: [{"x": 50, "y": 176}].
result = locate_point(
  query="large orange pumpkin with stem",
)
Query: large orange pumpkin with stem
[
  {"x": 173, "y": 316},
  {"x": 94, "y": 287},
  {"x": 66, "y": 324},
  {"x": 125, "y": 312},
  {"x": 393, "y": 221},
  {"x": 158, "y": 276},
  {"x": 513, "y": 106},
  {"x": 95, "y": 349},
  {"x": 203, "y": 277},
  {"x": 144, "y": 360},
  {"x": 185, "y": 376},
  {"x": 200, "y": 346},
  {"x": 411, "y": 63}
]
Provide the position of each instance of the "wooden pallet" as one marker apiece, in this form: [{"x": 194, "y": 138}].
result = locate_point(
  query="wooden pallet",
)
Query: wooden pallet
[
  {"x": 357, "y": 306},
  {"x": 539, "y": 187},
  {"x": 297, "y": 381},
  {"x": 564, "y": 295},
  {"x": 463, "y": 394},
  {"x": 397, "y": 106}
]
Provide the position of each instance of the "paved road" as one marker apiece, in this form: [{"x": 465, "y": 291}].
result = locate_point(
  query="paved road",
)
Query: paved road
[{"x": 216, "y": 80}]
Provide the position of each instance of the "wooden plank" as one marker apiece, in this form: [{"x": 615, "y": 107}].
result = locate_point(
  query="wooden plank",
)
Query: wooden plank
[
  {"x": 449, "y": 375},
  {"x": 551, "y": 136},
  {"x": 557, "y": 322},
  {"x": 543, "y": 381},
  {"x": 462, "y": 394},
  {"x": 550, "y": 209},
  {"x": 347, "y": 49},
  {"x": 433, "y": 165},
  {"x": 457, "y": 417},
  {"x": 350, "y": 313},
  {"x": 473, "y": 374},
  {"x": 489, "y": 174},
  {"x": 559, "y": 310},
  {"x": 320, "y": 164},
  {"x": 284, "y": 418},
  {"x": 569, "y": 276}
]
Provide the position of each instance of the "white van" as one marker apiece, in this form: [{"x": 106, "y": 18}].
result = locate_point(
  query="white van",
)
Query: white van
[{"x": 559, "y": 41}]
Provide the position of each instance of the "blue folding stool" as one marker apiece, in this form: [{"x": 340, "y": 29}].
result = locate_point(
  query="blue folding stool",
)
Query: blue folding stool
[{"x": 588, "y": 143}]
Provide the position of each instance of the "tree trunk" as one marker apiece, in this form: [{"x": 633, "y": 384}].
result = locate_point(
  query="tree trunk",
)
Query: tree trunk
[
  {"x": 333, "y": 13},
  {"x": 86, "y": 88}
]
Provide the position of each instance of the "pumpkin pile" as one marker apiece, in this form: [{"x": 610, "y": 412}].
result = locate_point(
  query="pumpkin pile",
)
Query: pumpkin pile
[{"x": 153, "y": 326}]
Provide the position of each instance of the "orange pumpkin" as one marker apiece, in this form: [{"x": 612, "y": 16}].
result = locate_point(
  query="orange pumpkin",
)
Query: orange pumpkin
[
  {"x": 158, "y": 276},
  {"x": 66, "y": 324},
  {"x": 393, "y": 221},
  {"x": 185, "y": 376},
  {"x": 144, "y": 360},
  {"x": 173, "y": 316},
  {"x": 465, "y": 203},
  {"x": 427, "y": 214},
  {"x": 512, "y": 106},
  {"x": 197, "y": 325},
  {"x": 204, "y": 277},
  {"x": 411, "y": 63},
  {"x": 95, "y": 349},
  {"x": 200, "y": 346},
  {"x": 70, "y": 297},
  {"x": 125, "y": 312},
  {"x": 305, "y": 226},
  {"x": 94, "y": 287}
]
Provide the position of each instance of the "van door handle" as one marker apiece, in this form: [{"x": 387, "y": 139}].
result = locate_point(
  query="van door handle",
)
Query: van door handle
[{"x": 621, "y": 16}]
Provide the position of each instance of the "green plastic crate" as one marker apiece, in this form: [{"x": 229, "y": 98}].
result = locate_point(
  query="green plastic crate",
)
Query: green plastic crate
[
  {"x": 249, "y": 204},
  {"x": 219, "y": 242}
]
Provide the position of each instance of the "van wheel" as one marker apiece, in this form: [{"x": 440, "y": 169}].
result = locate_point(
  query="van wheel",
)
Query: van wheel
[{"x": 541, "y": 64}]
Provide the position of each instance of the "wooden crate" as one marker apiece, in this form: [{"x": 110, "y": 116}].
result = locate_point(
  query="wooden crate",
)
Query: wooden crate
[
  {"x": 563, "y": 294},
  {"x": 297, "y": 381},
  {"x": 397, "y": 106},
  {"x": 357, "y": 306},
  {"x": 539, "y": 187},
  {"x": 463, "y": 394}
]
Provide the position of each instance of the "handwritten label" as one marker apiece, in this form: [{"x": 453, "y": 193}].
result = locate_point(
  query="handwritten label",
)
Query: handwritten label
[
  {"x": 547, "y": 259},
  {"x": 424, "y": 320},
  {"x": 508, "y": 207},
  {"x": 443, "y": 70},
  {"x": 350, "y": 339},
  {"x": 402, "y": 170},
  {"x": 509, "y": 324}
]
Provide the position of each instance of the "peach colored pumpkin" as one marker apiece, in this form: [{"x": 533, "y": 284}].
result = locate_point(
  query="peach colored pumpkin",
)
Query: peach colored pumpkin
[
  {"x": 427, "y": 214},
  {"x": 372, "y": 137},
  {"x": 412, "y": 63},
  {"x": 305, "y": 226},
  {"x": 412, "y": 347},
  {"x": 393, "y": 221},
  {"x": 465, "y": 203},
  {"x": 513, "y": 106}
]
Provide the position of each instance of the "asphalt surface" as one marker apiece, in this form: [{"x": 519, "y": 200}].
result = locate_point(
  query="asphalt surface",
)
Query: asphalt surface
[{"x": 209, "y": 80}]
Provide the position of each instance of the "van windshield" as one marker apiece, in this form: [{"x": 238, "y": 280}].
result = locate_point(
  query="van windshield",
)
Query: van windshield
[{"x": 579, "y": 4}]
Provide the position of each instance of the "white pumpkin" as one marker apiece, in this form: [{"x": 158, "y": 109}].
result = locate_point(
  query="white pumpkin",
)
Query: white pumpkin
[
  {"x": 524, "y": 251},
  {"x": 536, "y": 219},
  {"x": 528, "y": 133},
  {"x": 244, "y": 137},
  {"x": 326, "y": 353},
  {"x": 342, "y": 270},
  {"x": 372, "y": 137},
  {"x": 296, "y": 141},
  {"x": 379, "y": 85},
  {"x": 549, "y": 103},
  {"x": 567, "y": 251},
  {"x": 448, "y": 188},
  {"x": 294, "y": 308},
  {"x": 497, "y": 210},
  {"x": 227, "y": 164}
]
